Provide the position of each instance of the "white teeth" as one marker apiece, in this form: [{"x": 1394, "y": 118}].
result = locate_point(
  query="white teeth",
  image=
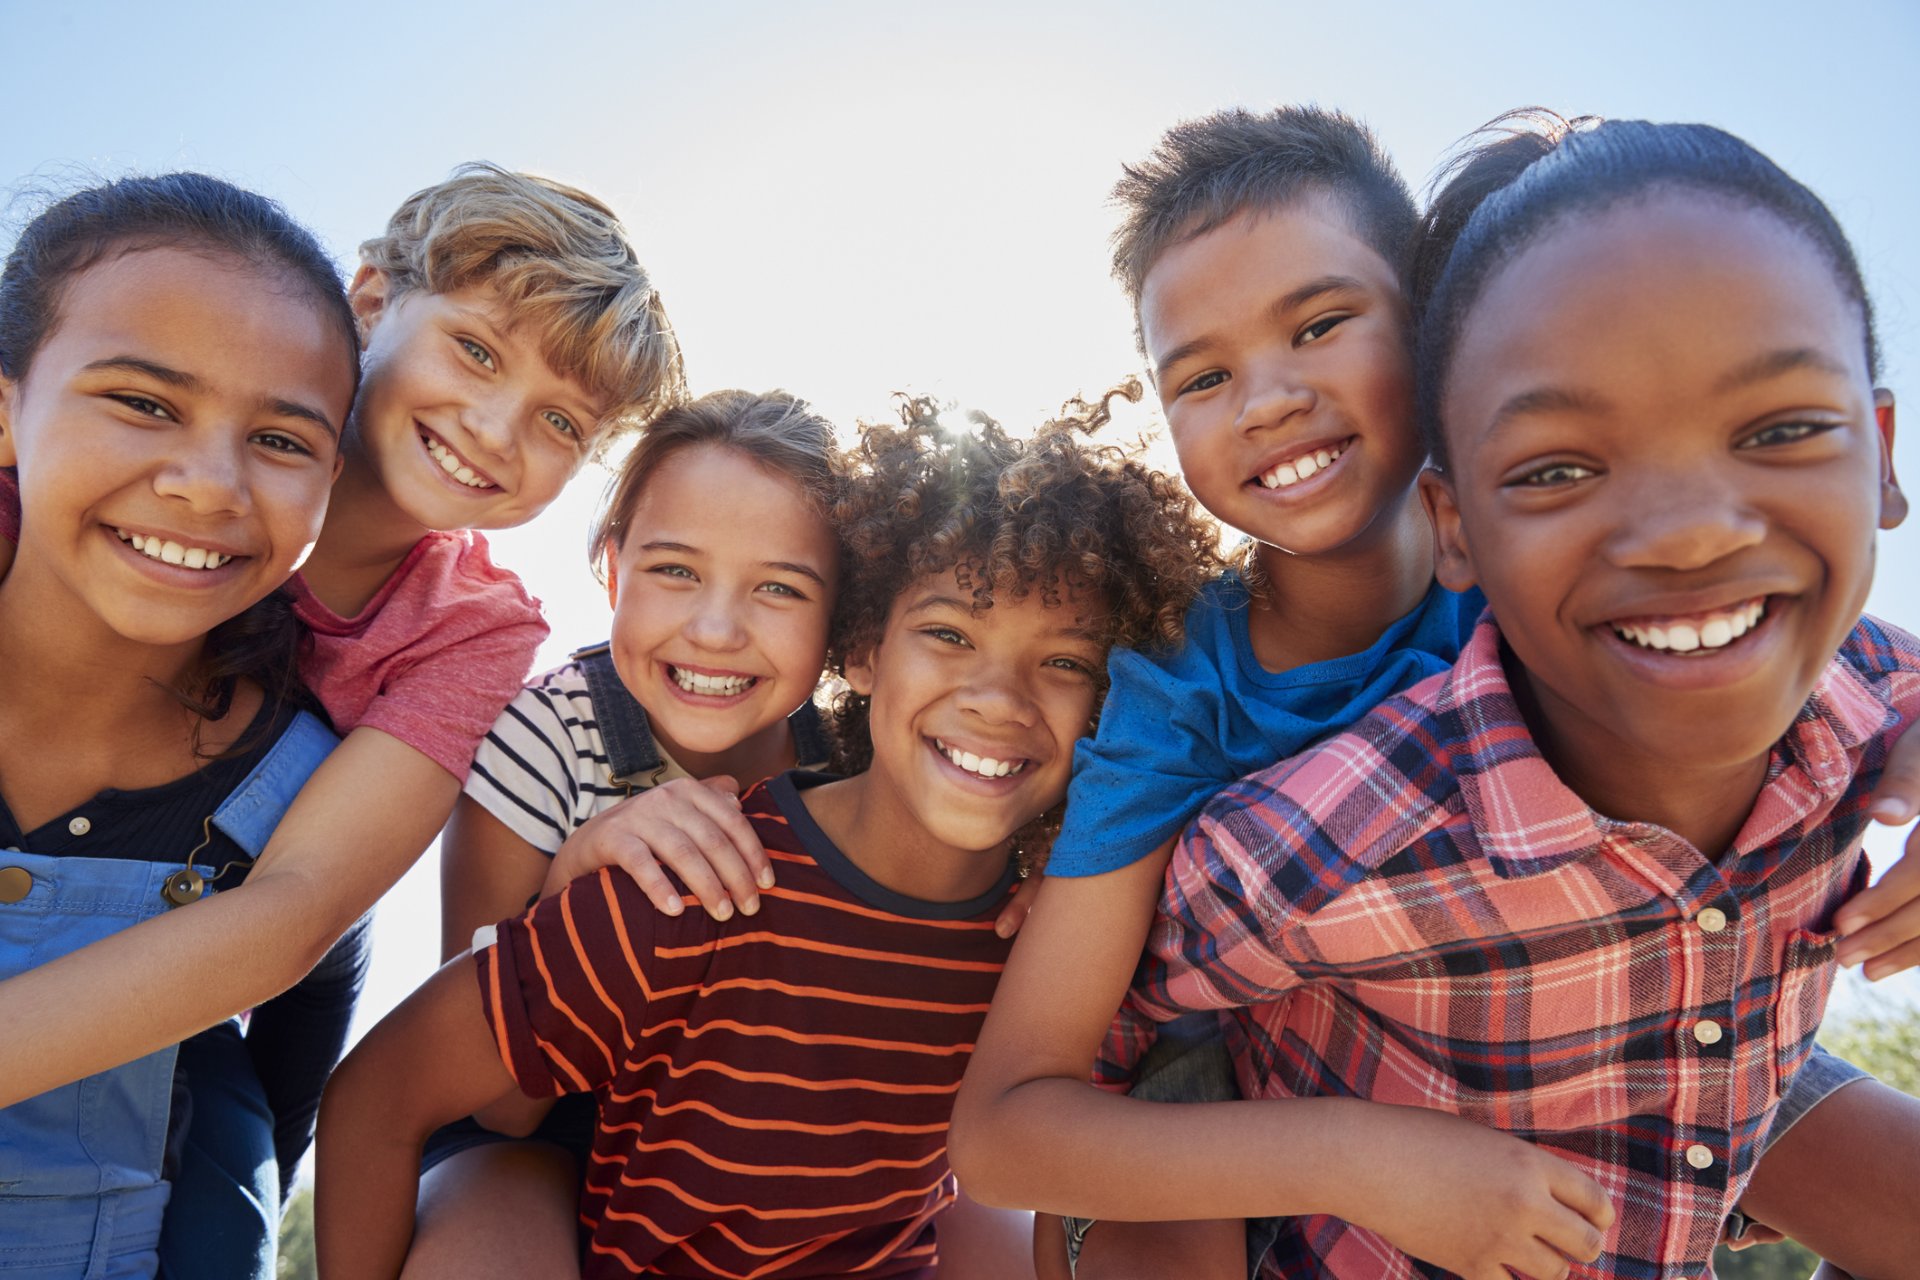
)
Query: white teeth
[
  {"x": 1712, "y": 631},
  {"x": 173, "y": 552},
  {"x": 451, "y": 464},
  {"x": 722, "y": 686},
  {"x": 1300, "y": 468},
  {"x": 985, "y": 766}
]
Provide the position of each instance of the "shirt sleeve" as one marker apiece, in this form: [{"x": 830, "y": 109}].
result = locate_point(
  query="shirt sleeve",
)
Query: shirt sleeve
[
  {"x": 526, "y": 770},
  {"x": 1153, "y": 764},
  {"x": 560, "y": 990},
  {"x": 1219, "y": 938},
  {"x": 443, "y": 703}
]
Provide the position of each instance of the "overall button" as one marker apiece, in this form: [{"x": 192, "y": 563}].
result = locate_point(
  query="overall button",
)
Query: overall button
[
  {"x": 1711, "y": 920},
  {"x": 15, "y": 884},
  {"x": 79, "y": 826},
  {"x": 1707, "y": 1032},
  {"x": 183, "y": 886},
  {"x": 1699, "y": 1157}
]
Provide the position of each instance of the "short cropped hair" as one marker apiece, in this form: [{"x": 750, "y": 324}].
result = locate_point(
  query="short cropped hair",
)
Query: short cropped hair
[
  {"x": 562, "y": 265},
  {"x": 1208, "y": 171}
]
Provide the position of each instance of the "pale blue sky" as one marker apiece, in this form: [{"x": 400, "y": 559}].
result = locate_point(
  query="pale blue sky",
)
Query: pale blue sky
[{"x": 852, "y": 199}]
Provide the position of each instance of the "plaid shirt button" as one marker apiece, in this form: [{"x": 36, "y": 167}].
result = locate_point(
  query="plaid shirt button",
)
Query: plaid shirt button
[
  {"x": 1699, "y": 1157},
  {"x": 1711, "y": 920},
  {"x": 1707, "y": 1032}
]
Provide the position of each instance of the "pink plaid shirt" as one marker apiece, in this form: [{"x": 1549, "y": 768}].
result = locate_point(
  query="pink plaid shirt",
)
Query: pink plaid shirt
[{"x": 1420, "y": 912}]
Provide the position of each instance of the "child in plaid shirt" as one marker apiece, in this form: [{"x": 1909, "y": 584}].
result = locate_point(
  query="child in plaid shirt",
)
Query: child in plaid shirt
[{"x": 1496, "y": 1048}]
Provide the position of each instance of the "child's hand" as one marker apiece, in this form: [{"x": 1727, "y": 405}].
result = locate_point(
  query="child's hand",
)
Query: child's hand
[
  {"x": 694, "y": 827},
  {"x": 1014, "y": 914},
  {"x": 1881, "y": 925},
  {"x": 1480, "y": 1202}
]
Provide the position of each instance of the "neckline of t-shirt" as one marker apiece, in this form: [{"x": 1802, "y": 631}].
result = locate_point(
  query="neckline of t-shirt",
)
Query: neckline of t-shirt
[
  {"x": 785, "y": 788},
  {"x": 1235, "y": 615},
  {"x": 319, "y": 617}
]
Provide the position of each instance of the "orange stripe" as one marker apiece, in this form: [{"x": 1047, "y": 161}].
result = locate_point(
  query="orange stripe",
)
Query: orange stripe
[
  {"x": 763, "y": 1215},
  {"x": 499, "y": 1011},
  {"x": 776, "y": 1032},
  {"x": 556, "y": 1001},
  {"x": 741, "y": 1122},
  {"x": 874, "y": 913},
  {"x": 781, "y": 1170},
  {"x": 796, "y": 1082},
  {"x": 841, "y": 996},
  {"x": 828, "y": 948}
]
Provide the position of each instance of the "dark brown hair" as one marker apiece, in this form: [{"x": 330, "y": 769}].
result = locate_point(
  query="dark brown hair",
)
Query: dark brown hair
[{"x": 1014, "y": 517}]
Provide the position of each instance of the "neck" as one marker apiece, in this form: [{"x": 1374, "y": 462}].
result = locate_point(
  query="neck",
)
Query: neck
[
  {"x": 766, "y": 753},
  {"x": 365, "y": 538},
  {"x": 1704, "y": 804},
  {"x": 869, "y": 823},
  {"x": 1316, "y": 608}
]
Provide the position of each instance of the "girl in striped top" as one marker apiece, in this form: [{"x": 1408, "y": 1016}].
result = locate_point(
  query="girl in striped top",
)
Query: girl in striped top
[{"x": 775, "y": 1089}]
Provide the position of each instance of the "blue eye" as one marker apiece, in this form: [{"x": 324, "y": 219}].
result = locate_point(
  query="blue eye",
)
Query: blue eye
[
  {"x": 561, "y": 423},
  {"x": 481, "y": 356}
]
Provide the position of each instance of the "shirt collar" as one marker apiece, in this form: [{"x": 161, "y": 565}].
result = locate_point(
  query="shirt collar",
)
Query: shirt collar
[{"x": 1528, "y": 821}]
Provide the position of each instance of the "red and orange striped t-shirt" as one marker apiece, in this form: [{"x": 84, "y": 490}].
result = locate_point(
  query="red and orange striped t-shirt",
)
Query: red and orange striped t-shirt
[{"x": 774, "y": 1089}]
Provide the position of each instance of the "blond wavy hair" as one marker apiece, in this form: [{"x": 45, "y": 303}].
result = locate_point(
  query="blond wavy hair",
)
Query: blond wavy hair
[{"x": 564, "y": 270}]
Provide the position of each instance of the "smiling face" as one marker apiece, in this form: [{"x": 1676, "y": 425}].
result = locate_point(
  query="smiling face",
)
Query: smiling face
[
  {"x": 723, "y": 588},
  {"x": 974, "y": 716},
  {"x": 459, "y": 415},
  {"x": 177, "y": 437},
  {"x": 1279, "y": 347},
  {"x": 1666, "y": 472}
]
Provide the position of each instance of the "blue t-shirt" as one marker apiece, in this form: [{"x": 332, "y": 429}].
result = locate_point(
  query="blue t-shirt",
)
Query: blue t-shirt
[{"x": 1180, "y": 726}]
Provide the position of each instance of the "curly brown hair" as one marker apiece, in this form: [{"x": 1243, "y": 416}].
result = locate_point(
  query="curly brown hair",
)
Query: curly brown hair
[{"x": 1012, "y": 516}]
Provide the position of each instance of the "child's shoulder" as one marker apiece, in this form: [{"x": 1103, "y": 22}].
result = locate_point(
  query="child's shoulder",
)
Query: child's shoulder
[{"x": 1872, "y": 688}]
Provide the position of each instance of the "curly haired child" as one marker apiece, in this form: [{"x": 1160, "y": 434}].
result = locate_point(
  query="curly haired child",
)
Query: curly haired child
[{"x": 775, "y": 1089}]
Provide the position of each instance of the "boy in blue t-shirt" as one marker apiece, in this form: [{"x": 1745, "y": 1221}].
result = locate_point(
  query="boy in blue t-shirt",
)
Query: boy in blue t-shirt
[{"x": 1263, "y": 253}]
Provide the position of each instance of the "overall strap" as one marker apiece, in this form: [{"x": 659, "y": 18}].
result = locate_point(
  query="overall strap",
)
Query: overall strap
[
  {"x": 631, "y": 750},
  {"x": 249, "y": 815}
]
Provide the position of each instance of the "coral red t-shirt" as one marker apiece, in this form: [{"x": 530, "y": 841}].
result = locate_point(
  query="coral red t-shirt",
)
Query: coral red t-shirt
[
  {"x": 434, "y": 657},
  {"x": 432, "y": 660}
]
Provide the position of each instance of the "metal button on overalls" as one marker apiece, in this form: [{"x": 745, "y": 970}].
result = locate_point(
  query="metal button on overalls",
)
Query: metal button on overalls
[{"x": 15, "y": 884}]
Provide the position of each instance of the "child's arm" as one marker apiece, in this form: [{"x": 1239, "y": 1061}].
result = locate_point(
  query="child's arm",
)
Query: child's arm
[
  {"x": 429, "y": 1062},
  {"x": 1881, "y": 925},
  {"x": 1843, "y": 1180},
  {"x": 362, "y": 818},
  {"x": 1029, "y": 1130}
]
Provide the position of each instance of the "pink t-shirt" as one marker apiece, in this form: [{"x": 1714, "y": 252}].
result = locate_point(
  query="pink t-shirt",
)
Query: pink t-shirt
[{"x": 434, "y": 657}]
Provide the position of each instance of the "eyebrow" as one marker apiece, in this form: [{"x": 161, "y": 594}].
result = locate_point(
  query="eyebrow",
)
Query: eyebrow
[
  {"x": 1278, "y": 310},
  {"x": 1544, "y": 400},
  {"x": 188, "y": 382},
  {"x": 1777, "y": 363}
]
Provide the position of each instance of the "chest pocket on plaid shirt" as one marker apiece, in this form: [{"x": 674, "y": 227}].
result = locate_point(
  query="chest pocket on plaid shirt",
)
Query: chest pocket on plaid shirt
[{"x": 1806, "y": 977}]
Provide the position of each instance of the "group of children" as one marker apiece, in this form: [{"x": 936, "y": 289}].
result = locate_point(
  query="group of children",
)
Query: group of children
[{"x": 1453, "y": 873}]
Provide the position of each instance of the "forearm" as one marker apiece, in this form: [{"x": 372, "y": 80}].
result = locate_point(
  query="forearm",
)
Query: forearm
[{"x": 157, "y": 983}]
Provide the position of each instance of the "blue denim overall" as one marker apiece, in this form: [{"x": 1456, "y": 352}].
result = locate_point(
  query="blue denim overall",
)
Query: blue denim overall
[{"x": 81, "y": 1191}]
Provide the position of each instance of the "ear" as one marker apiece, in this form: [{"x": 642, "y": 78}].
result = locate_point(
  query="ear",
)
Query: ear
[
  {"x": 613, "y": 579},
  {"x": 9, "y": 393},
  {"x": 1893, "y": 503},
  {"x": 860, "y": 670},
  {"x": 368, "y": 295},
  {"x": 1452, "y": 561}
]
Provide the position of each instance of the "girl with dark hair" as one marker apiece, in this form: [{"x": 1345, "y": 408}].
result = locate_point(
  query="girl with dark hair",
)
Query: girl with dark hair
[{"x": 176, "y": 365}]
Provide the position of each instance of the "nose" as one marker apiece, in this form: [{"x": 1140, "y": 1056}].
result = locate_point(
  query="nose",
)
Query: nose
[
  {"x": 1274, "y": 394},
  {"x": 998, "y": 693},
  {"x": 715, "y": 624},
  {"x": 210, "y": 475},
  {"x": 489, "y": 424},
  {"x": 1680, "y": 518}
]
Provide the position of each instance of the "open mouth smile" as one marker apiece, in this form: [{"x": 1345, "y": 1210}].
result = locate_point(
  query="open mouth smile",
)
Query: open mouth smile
[
  {"x": 167, "y": 551},
  {"x": 978, "y": 765},
  {"x": 1302, "y": 466},
  {"x": 1692, "y": 633},
  {"x": 453, "y": 464},
  {"x": 705, "y": 684}
]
